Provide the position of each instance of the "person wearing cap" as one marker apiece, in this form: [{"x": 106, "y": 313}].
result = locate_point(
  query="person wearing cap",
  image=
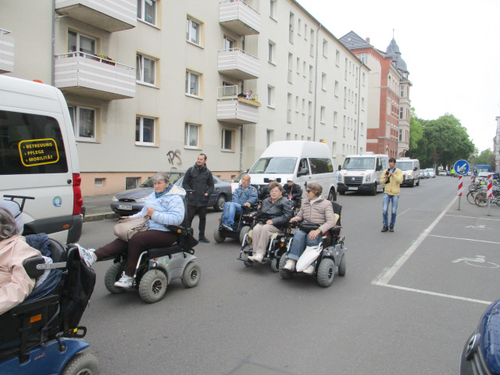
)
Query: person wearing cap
[
  {"x": 293, "y": 191},
  {"x": 244, "y": 196}
]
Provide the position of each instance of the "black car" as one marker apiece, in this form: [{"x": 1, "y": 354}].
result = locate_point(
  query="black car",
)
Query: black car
[
  {"x": 481, "y": 354},
  {"x": 131, "y": 201}
]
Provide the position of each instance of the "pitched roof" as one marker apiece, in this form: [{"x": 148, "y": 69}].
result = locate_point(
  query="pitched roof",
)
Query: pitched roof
[
  {"x": 353, "y": 41},
  {"x": 393, "y": 51}
]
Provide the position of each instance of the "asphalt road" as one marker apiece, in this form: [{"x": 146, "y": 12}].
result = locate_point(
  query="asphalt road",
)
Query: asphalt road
[{"x": 407, "y": 304}]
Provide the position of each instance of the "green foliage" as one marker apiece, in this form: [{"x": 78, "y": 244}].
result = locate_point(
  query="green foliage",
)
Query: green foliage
[
  {"x": 416, "y": 132},
  {"x": 485, "y": 157},
  {"x": 444, "y": 141}
]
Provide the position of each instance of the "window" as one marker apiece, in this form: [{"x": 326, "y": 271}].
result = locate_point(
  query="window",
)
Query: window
[
  {"x": 304, "y": 69},
  {"x": 270, "y": 96},
  {"x": 337, "y": 58},
  {"x": 297, "y": 104},
  {"x": 78, "y": 42},
  {"x": 320, "y": 165},
  {"x": 272, "y": 8},
  {"x": 298, "y": 65},
  {"x": 84, "y": 123},
  {"x": 346, "y": 67},
  {"x": 269, "y": 137},
  {"x": 336, "y": 89},
  {"x": 323, "y": 81},
  {"x": 144, "y": 130},
  {"x": 131, "y": 182},
  {"x": 146, "y": 11},
  {"x": 325, "y": 48},
  {"x": 311, "y": 48},
  {"x": 311, "y": 70},
  {"x": 145, "y": 69},
  {"x": 193, "y": 31},
  {"x": 299, "y": 26},
  {"x": 99, "y": 181},
  {"x": 227, "y": 140},
  {"x": 192, "y": 139},
  {"x": 402, "y": 88},
  {"x": 192, "y": 84},
  {"x": 227, "y": 43},
  {"x": 290, "y": 67},
  {"x": 291, "y": 26},
  {"x": 322, "y": 115},
  {"x": 401, "y": 113},
  {"x": 272, "y": 52}
]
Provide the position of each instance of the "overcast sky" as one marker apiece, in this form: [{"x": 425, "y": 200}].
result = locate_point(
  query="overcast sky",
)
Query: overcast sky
[{"x": 451, "y": 48}]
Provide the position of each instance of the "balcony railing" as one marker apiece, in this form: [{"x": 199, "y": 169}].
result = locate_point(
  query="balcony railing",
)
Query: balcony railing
[
  {"x": 239, "y": 17},
  {"x": 6, "y": 51},
  {"x": 234, "y": 109},
  {"x": 238, "y": 64},
  {"x": 89, "y": 75},
  {"x": 109, "y": 15}
]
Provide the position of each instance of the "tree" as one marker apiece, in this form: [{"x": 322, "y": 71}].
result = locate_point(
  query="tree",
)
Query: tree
[
  {"x": 486, "y": 157},
  {"x": 416, "y": 130},
  {"x": 444, "y": 141}
]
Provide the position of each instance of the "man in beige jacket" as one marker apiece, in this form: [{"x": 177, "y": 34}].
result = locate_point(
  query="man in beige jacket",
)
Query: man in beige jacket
[{"x": 392, "y": 178}]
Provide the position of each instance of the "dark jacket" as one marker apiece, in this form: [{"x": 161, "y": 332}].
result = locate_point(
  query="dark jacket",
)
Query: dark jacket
[
  {"x": 198, "y": 181},
  {"x": 294, "y": 190},
  {"x": 280, "y": 212}
]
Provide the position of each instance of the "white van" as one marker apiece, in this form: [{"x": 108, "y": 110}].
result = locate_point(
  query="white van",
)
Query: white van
[
  {"x": 411, "y": 171},
  {"x": 362, "y": 173},
  {"x": 303, "y": 161},
  {"x": 38, "y": 158}
]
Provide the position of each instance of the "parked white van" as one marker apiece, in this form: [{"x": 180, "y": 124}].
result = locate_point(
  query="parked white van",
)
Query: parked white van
[
  {"x": 362, "y": 173},
  {"x": 38, "y": 158},
  {"x": 303, "y": 161},
  {"x": 411, "y": 171}
]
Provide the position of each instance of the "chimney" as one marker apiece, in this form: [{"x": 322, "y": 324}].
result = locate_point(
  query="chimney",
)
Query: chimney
[{"x": 368, "y": 40}]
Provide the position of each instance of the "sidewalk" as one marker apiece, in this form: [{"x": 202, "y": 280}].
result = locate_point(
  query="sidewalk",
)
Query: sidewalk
[{"x": 98, "y": 208}]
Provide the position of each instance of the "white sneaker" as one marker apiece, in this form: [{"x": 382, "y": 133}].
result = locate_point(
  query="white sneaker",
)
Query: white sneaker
[
  {"x": 87, "y": 255},
  {"x": 258, "y": 258},
  {"x": 124, "y": 282},
  {"x": 309, "y": 270},
  {"x": 252, "y": 258},
  {"x": 290, "y": 264}
]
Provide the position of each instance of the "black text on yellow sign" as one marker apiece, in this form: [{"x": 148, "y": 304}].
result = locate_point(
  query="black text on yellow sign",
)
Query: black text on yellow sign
[{"x": 38, "y": 152}]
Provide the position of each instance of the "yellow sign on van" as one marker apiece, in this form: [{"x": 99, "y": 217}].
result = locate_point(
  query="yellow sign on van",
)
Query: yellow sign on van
[{"x": 38, "y": 152}]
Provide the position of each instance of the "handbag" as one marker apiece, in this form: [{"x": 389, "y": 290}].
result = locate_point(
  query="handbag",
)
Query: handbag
[
  {"x": 126, "y": 228},
  {"x": 305, "y": 226},
  {"x": 308, "y": 256}
]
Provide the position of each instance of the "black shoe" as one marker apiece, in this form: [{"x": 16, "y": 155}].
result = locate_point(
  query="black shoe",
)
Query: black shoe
[
  {"x": 391, "y": 229},
  {"x": 227, "y": 227},
  {"x": 204, "y": 239},
  {"x": 385, "y": 228}
]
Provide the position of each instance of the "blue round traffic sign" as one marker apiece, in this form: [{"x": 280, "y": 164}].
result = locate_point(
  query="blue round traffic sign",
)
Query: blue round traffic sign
[{"x": 462, "y": 167}]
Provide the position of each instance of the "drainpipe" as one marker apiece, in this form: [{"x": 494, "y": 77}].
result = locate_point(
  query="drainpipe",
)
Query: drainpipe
[
  {"x": 316, "y": 84},
  {"x": 241, "y": 148},
  {"x": 359, "y": 108},
  {"x": 53, "y": 46}
]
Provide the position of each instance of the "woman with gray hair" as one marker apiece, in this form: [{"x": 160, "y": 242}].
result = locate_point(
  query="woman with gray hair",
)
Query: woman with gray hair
[
  {"x": 15, "y": 284},
  {"x": 165, "y": 206}
]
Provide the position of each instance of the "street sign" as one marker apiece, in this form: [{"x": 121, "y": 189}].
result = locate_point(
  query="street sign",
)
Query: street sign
[{"x": 461, "y": 167}]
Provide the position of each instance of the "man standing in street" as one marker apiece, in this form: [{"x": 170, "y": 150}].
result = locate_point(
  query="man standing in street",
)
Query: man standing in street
[
  {"x": 199, "y": 184},
  {"x": 393, "y": 177},
  {"x": 244, "y": 196}
]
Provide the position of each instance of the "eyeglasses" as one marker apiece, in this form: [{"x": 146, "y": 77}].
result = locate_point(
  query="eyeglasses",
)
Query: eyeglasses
[{"x": 308, "y": 191}]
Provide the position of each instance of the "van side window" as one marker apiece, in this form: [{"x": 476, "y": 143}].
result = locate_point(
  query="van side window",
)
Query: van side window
[
  {"x": 320, "y": 165},
  {"x": 304, "y": 167},
  {"x": 30, "y": 144}
]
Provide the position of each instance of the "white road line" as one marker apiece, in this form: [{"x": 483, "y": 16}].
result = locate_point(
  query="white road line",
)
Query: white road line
[
  {"x": 398, "y": 215},
  {"x": 387, "y": 275},
  {"x": 437, "y": 294},
  {"x": 464, "y": 239},
  {"x": 473, "y": 217}
]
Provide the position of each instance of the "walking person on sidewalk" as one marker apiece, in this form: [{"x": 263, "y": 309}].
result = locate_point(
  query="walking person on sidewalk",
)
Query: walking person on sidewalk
[
  {"x": 199, "y": 184},
  {"x": 393, "y": 177}
]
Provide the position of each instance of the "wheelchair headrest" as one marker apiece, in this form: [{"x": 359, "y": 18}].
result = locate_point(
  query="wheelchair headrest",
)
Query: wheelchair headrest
[
  {"x": 30, "y": 264},
  {"x": 337, "y": 209}
]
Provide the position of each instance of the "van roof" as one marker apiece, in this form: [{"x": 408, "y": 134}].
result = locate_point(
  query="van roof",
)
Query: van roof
[
  {"x": 13, "y": 93},
  {"x": 297, "y": 149},
  {"x": 365, "y": 154}
]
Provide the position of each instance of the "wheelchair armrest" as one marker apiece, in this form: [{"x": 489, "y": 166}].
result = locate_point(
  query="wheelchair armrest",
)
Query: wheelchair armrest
[
  {"x": 30, "y": 264},
  {"x": 178, "y": 229}
]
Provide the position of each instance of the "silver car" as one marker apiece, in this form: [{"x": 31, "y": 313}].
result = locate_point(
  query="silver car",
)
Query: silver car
[{"x": 129, "y": 202}]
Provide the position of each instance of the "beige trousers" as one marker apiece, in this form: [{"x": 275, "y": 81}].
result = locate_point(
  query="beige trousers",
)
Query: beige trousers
[{"x": 260, "y": 237}]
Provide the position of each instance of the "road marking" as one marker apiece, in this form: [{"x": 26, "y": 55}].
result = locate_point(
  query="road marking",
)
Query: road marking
[
  {"x": 385, "y": 277},
  {"x": 464, "y": 239},
  {"x": 402, "y": 213}
]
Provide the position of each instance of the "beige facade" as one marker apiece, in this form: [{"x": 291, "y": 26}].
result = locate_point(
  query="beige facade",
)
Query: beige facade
[{"x": 151, "y": 84}]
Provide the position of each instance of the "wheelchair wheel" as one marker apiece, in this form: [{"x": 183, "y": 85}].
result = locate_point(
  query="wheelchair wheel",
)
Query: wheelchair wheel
[
  {"x": 82, "y": 364},
  {"x": 326, "y": 272},
  {"x": 191, "y": 275},
  {"x": 285, "y": 274},
  {"x": 112, "y": 275},
  {"x": 243, "y": 231},
  {"x": 275, "y": 264},
  {"x": 153, "y": 286},
  {"x": 218, "y": 237},
  {"x": 342, "y": 266}
]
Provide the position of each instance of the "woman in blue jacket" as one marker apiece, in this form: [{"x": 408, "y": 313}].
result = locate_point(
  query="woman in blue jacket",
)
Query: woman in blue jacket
[{"x": 165, "y": 206}]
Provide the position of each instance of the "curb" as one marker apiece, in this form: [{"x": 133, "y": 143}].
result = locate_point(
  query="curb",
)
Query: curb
[{"x": 103, "y": 216}]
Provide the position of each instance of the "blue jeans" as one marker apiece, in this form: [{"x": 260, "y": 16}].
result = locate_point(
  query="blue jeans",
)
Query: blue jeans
[
  {"x": 230, "y": 209},
  {"x": 385, "y": 208},
  {"x": 299, "y": 243}
]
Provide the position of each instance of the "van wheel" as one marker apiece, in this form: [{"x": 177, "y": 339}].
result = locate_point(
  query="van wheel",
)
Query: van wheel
[
  {"x": 374, "y": 190},
  {"x": 221, "y": 201},
  {"x": 418, "y": 182},
  {"x": 332, "y": 196},
  {"x": 111, "y": 277},
  {"x": 342, "y": 192}
]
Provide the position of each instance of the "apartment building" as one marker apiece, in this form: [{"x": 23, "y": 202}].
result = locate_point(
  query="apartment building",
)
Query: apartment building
[
  {"x": 151, "y": 84},
  {"x": 389, "y": 96}
]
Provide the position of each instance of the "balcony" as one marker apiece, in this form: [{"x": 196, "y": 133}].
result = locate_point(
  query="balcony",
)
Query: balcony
[
  {"x": 89, "y": 75},
  {"x": 238, "y": 64},
  {"x": 6, "y": 52},
  {"x": 239, "y": 17},
  {"x": 235, "y": 110},
  {"x": 109, "y": 15}
]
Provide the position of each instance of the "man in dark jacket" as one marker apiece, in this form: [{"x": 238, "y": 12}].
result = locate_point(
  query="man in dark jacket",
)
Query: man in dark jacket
[
  {"x": 199, "y": 185},
  {"x": 292, "y": 191}
]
